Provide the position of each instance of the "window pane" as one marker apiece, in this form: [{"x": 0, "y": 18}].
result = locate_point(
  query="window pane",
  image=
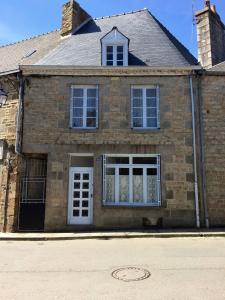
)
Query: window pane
[
  {"x": 78, "y": 93},
  {"x": 137, "y": 93},
  {"x": 137, "y": 122},
  {"x": 145, "y": 160},
  {"x": 78, "y": 112},
  {"x": 151, "y": 92},
  {"x": 118, "y": 160},
  {"x": 138, "y": 185},
  {"x": 152, "y": 193},
  {"x": 109, "y": 49},
  {"x": 124, "y": 185},
  {"x": 109, "y": 56},
  {"x": 91, "y": 102},
  {"x": 137, "y": 102},
  {"x": 119, "y": 49},
  {"x": 152, "y": 122},
  {"x": 78, "y": 102},
  {"x": 110, "y": 185},
  {"x": 91, "y": 93},
  {"x": 151, "y": 102},
  {"x": 119, "y": 56},
  {"x": 137, "y": 112},
  {"x": 91, "y": 122},
  {"x": 91, "y": 113},
  {"x": 119, "y": 63},
  {"x": 109, "y": 63},
  {"x": 77, "y": 122},
  {"x": 151, "y": 112}
]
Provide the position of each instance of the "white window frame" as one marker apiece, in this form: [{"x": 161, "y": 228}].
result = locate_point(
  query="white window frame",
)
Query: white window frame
[
  {"x": 144, "y": 108},
  {"x": 131, "y": 166},
  {"x": 115, "y": 55},
  {"x": 84, "y": 118}
]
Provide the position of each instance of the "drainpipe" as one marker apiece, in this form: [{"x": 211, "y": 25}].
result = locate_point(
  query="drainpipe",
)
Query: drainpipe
[
  {"x": 19, "y": 125},
  {"x": 194, "y": 153}
]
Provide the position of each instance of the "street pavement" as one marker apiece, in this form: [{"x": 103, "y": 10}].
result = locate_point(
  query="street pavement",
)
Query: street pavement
[{"x": 181, "y": 268}]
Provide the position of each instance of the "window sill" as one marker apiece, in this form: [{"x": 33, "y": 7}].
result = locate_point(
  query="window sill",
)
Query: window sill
[
  {"x": 146, "y": 129},
  {"x": 129, "y": 205},
  {"x": 76, "y": 129}
]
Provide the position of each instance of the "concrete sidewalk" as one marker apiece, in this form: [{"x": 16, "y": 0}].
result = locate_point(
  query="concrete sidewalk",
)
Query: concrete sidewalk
[{"x": 46, "y": 236}]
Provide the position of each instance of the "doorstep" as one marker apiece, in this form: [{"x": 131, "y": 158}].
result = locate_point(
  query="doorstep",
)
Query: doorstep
[{"x": 48, "y": 236}]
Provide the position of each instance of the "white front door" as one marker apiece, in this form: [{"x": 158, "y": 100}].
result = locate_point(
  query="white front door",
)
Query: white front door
[{"x": 80, "y": 196}]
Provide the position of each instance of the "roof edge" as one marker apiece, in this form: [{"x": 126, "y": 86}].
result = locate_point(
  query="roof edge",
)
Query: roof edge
[
  {"x": 55, "y": 70},
  {"x": 9, "y": 72}
]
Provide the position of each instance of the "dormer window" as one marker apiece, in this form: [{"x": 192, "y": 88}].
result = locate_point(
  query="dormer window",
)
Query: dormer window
[
  {"x": 115, "y": 49},
  {"x": 115, "y": 55}
]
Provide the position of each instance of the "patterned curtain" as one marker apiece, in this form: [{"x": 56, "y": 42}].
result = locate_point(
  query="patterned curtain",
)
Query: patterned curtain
[
  {"x": 152, "y": 189},
  {"x": 124, "y": 188},
  {"x": 110, "y": 188},
  {"x": 138, "y": 188}
]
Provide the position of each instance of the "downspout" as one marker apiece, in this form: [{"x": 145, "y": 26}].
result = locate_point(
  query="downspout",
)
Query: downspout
[
  {"x": 204, "y": 197},
  {"x": 194, "y": 153}
]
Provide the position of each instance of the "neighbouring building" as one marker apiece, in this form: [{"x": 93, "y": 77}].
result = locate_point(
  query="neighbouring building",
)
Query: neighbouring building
[{"x": 112, "y": 123}]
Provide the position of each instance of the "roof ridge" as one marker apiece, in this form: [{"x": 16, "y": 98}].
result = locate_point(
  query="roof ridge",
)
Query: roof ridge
[
  {"x": 27, "y": 39},
  {"x": 122, "y": 14}
]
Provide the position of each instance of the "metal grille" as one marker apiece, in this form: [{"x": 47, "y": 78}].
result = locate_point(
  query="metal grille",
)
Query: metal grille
[
  {"x": 33, "y": 190},
  {"x": 34, "y": 181}
]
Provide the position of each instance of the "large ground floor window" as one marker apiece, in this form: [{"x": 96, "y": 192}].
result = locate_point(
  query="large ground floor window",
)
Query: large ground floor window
[{"x": 132, "y": 180}]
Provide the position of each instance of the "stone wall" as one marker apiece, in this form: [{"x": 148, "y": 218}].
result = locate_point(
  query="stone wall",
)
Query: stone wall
[
  {"x": 213, "y": 99},
  {"x": 46, "y": 130},
  {"x": 9, "y": 180}
]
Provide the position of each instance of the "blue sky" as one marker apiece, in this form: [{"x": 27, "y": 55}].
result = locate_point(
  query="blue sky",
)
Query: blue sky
[{"x": 21, "y": 19}]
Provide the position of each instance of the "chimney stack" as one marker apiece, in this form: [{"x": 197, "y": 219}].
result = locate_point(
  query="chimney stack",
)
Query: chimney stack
[
  {"x": 72, "y": 17},
  {"x": 207, "y": 3},
  {"x": 210, "y": 35}
]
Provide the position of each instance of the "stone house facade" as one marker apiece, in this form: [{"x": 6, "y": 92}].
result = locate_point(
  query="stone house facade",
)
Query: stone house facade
[{"x": 114, "y": 135}]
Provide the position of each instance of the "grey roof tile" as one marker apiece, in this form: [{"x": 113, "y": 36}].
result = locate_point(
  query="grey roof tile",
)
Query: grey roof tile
[
  {"x": 151, "y": 44},
  {"x": 219, "y": 67},
  {"x": 11, "y": 56}
]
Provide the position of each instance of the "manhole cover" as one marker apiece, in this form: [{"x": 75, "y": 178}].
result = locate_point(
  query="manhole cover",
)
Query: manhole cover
[{"x": 131, "y": 274}]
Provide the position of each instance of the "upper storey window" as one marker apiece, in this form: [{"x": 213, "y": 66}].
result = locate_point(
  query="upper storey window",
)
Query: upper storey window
[{"x": 115, "y": 49}]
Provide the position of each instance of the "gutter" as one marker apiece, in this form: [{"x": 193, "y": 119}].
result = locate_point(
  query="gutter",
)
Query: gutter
[
  {"x": 72, "y": 67},
  {"x": 194, "y": 154}
]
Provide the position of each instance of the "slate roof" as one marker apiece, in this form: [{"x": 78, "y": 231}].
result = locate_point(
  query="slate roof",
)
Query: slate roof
[
  {"x": 151, "y": 44},
  {"x": 219, "y": 67},
  {"x": 11, "y": 56}
]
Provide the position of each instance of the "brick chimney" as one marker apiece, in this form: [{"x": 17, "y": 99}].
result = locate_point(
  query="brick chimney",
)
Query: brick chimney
[
  {"x": 72, "y": 17},
  {"x": 210, "y": 35}
]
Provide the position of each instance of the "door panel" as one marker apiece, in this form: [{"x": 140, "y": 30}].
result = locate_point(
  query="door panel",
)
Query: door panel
[{"x": 80, "y": 196}]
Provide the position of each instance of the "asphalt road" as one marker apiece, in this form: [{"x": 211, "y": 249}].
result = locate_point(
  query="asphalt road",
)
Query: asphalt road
[{"x": 181, "y": 268}]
